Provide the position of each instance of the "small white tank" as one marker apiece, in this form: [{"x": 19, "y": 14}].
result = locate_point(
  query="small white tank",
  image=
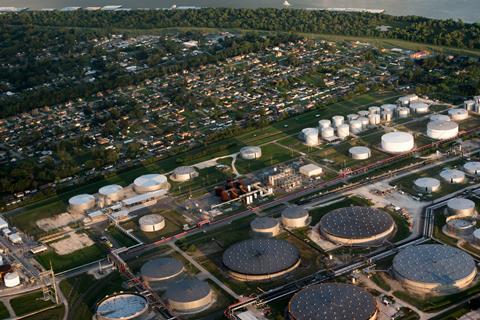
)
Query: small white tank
[
  {"x": 328, "y": 133},
  {"x": 363, "y": 113},
  {"x": 374, "y": 119},
  {"x": 452, "y": 176},
  {"x": 403, "y": 112},
  {"x": 352, "y": 116},
  {"x": 343, "y": 131},
  {"x": 364, "y": 122},
  {"x": 427, "y": 185},
  {"x": 356, "y": 126},
  {"x": 469, "y": 105},
  {"x": 324, "y": 123},
  {"x": 472, "y": 168},
  {"x": 11, "y": 279},
  {"x": 387, "y": 116},
  {"x": 461, "y": 206},
  {"x": 360, "y": 153},
  {"x": 389, "y": 107},
  {"x": 374, "y": 110},
  {"x": 419, "y": 107},
  {"x": 338, "y": 121},
  {"x": 310, "y": 136},
  {"x": 458, "y": 114}
]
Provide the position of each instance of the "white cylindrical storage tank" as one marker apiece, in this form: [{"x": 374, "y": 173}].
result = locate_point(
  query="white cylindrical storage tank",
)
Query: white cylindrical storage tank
[
  {"x": 328, "y": 133},
  {"x": 310, "y": 136},
  {"x": 343, "y": 131},
  {"x": 374, "y": 119},
  {"x": 364, "y": 122},
  {"x": 151, "y": 223},
  {"x": 476, "y": 237},
  {"x": 427, "y": 185},
  {"x": 185, "y": 173},
  {"x": 359, "y": 153},
  {"x": 469, "y": 105},
  {"x": 453, "y": 176},
  {"x": 81, "y": 203},
  {"x": 11, "y": 279},
  {"x": 251, "y": 152},
  {"x": 111, "y": 193},
  {"x": 461, "y": 207},
  {"x": 190, "y": 295},
  {"x": 419, "y": 107},
  {"x": 403, "y": 112},
  {"x": 324, "y": 123},
  {"x": 150, "y": 182},
  {"x": 161, "y": 269},
  {"x": 295, "y": 217},
  {"x": 472, "y": 168},
  {"x": 122, "y": 306},
  {"x": 458, "y": 114},
  {"x": 265, "y": 226},
  {"x": 338, "y": 121},
  {"x": 439, "y": 117},
  {"x": 363, "y": 113},
  {"x": 374, "y": 110},
  {"x": 397, "y": 142},
  {"x": 356, "y": 126},
  {"x": 389, "y": 107},
  {"x": 442, "y": 130},
  {"x": 352, "y": 116},
  {"x": 387, "y": 116}
]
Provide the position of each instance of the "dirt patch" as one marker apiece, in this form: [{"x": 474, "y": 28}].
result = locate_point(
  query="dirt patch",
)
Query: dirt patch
[
  {"x": 59, "y": 221},
  {"x": 73, "y": 242}
]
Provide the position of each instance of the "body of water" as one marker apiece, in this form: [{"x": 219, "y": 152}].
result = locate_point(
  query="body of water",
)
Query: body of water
[{"x": 467, "y": 10}]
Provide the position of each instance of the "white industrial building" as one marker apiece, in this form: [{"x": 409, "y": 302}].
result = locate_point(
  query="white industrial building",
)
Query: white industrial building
[{"x": 310, "y": 170}]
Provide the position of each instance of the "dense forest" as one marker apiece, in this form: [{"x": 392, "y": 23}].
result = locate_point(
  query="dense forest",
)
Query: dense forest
[{"x": 412, "y": 28}]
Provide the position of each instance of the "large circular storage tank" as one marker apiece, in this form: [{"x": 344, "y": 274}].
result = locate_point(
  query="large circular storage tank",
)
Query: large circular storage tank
[
  {"x": 453, "y": 176},
  {"x": 123, "y": 306},
  {"x": 185, "y": 173},
  {"x": 251, "y": 152},
  {"x": 343, "y": 131},
  {"x": 356, "y": 226},
  {"x": 427, "y": 185},
  {"x": 461, "y": 207},
  {"x": 265, "y": 226},
  {"x": 374, "y": 110},
  {"x": 458, "y": 114},
  {"x": 112, "y": 192},
  {"x": 403, "y": 112},
  {"x": 434, "y": 269},
  {"x": 310, "y": 136},
  {"x": 161, "y": 269},
  {"x": 337, "y": 121},
  {"x": 461, "y": 226},
  {"x": 439, "y": 117},
  {"x": 472, "y": 168},
  {"x": 397, "y": 142},
  {"x": 151, "y": 223},
  {"x": 11, "y": 279},
  {"x": 328, "y": 133},
  {"x": 81, "y": 203},
  {"x": 150, "y": 182},
  {"x": 356, "y": 126},
  {"x": 332, "y": 301},
  {"x": 360, "y": 153},
  {"x": 325, "y": 123},
  {"x": 190, "y": 295},
  {"x": 419, "y": 107},
  {"x": 442, "y": 130},
  {"x": 260, "y": 259},
  {"x": 374, "y": 119},
  {"x": 295, "y": 217}
]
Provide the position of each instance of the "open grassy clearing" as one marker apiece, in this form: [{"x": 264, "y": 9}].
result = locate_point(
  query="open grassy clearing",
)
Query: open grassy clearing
[
  {"x": 472, "y": 122},
  {"x": 121, "y": 238},
  {"x": 207, "y": 177},
  {"x": 295, "y": 143},
  {"x": 50, "y": 314},
  {"x": 3, "y": 311},
  {"x": 272, "y": 154},
  {"x": 29, "y": 303}
]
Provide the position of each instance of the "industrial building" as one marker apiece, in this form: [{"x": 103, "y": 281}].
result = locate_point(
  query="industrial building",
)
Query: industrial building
[
  {"x": 353, "y": 226},
  {"x": 458, "y": 114},
  {"x": 295, "y": 217},
  {"x": 427, "y": 185},
  {"x": 150, "y": 182},
  {"x": 461, "y": 207},
  {"x": 252, "y": 152},
  {"x": 265, "y": 227},
  {"x": 161, "y": 269},
  {"x": 434, "y": 269},
  {"x": 122, "y": 306},
  {"x": 151, "y": 223},
  {"x": 81, "y": 203},
  {"x": 310, "y": 170},
  {"x": 453, "y": 176},
  {"x": 397, "y": 142},
  {"x": 183, "y": 173},
  {"x": 189, "y": 296},
  {"x": 360, "y": 153},
  {"x": 332, "y": 301},
  {"x": 260, "y": 259},
  {"x": 442, "y": 130},
  {"x": 472, "y": 168}
]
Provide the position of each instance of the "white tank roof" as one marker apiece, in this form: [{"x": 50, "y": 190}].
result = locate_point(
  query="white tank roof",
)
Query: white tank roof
[
  {"x": 472, "y": 167},
  {"x": 439, "y": 117},
  {"x": 442, "y": 125},
  {"x": 359, "y": 150},
  {"x": 418, "y": 106},
  {"x": 458, "y": 204},
  {"x": 452, "y": 174},
  {"x": 81, "y": 199},
  {"x": 427, "y": 183},
  {"x": 150, "y": 219},
  {"x": 397, "y": 141},
  {"x": 110, "y": 189},
  {"x": 150, "y": 180}
]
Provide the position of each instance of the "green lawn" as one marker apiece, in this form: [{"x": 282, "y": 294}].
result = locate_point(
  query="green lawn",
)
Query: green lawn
[
  {"x": 271, "y": 154},
  {"x": 3, "y": 311},
  {"x": 51, "y": 314},
  {"x": 65, "y": 262},
  {"x": 122, "y": 239},
  {"x": 318, "y": 213},
  {"x": 29, "y": 303},
  {"x": 207, "y": 177}
]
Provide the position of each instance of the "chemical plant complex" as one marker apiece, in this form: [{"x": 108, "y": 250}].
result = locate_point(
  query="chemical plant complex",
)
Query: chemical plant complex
[{"x": 367, "y": 211}]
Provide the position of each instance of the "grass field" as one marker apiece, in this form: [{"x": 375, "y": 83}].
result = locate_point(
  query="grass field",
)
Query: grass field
[
  {"x": 121, "y": 238},
  {"x": 3, "y": 311},
  {"x": 29, "y": 303},
  {"x": 207, "y": 177},
  {"x": 317, "y": 213},
  {"x": 65, "y": 262},
  {"x": 51, "y": 314},
  {"x": 272, "y": 154}
]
